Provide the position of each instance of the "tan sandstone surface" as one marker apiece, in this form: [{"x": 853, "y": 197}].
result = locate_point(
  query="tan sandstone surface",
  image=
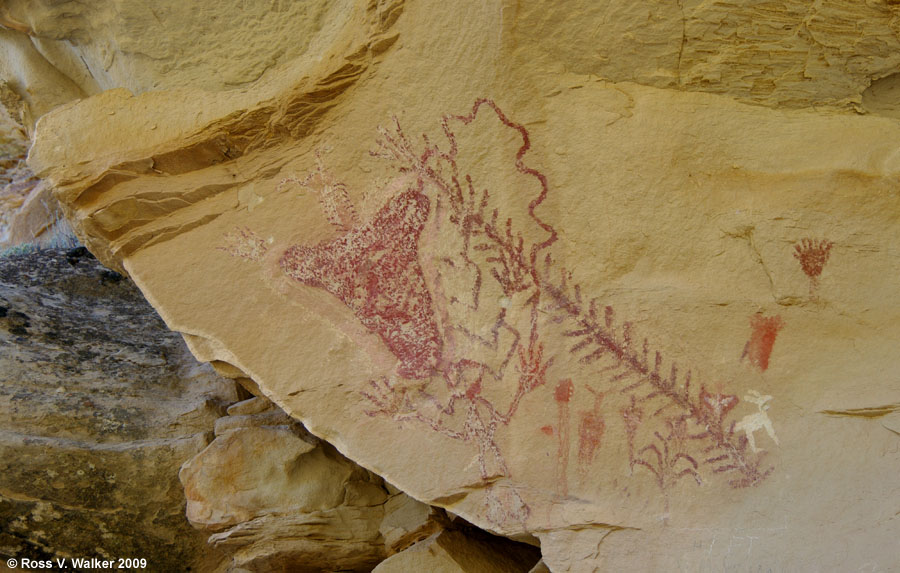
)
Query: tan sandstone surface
[
  {"x": 614, "y": 278},
  {"x": 102, "y": 405}
]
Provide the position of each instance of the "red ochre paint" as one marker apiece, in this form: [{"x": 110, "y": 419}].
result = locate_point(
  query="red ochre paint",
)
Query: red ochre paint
[
  {"x": 374, "y": 270},
  {"x": 762, "y": 338}
]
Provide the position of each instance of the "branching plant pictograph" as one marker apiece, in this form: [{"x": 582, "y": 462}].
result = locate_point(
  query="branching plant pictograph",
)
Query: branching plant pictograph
[{"x": 459, "y": 284}]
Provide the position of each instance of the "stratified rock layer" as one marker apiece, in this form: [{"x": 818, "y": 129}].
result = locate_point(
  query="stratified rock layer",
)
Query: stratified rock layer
[
  {"x": 617, "y": 278},
  {"x": 100, "y": 405}
]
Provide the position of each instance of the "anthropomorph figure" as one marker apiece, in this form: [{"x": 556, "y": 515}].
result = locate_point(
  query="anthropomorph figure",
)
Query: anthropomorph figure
[{"x": 590, "y": 432}]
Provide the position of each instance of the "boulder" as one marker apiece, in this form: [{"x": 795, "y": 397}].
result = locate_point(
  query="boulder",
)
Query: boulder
[{"x": 278, "y": 499}]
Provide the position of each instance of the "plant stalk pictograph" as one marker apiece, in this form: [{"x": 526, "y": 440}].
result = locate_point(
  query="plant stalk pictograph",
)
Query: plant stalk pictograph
[{"x": 459, "y": 284}]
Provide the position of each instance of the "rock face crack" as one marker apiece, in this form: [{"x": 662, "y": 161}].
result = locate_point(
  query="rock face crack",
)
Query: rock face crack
[{"x": 868, "y": 412}]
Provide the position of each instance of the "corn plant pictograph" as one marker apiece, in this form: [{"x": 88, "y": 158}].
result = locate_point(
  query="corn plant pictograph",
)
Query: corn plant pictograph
[{"x": 459, "y": 283}]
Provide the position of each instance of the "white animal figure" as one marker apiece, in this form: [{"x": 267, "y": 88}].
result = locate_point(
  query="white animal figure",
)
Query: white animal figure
[{"x": 752, "y": 422}]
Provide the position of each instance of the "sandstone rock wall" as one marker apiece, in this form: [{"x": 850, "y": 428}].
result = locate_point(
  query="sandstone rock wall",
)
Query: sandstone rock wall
[
  {"x": 616, "y": 278},
  {"x": 100, "y": 407},
  {"x": 789, "y": 54},
  {"x": 104, "y": 409},
  {"x": 141, "y": 47}
]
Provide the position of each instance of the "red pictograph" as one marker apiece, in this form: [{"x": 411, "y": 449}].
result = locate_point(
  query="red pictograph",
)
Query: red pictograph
[
  {"x": 590, "y": 432},
  {"x": 563, "y": 395},
  {"x": 658, "y": 400},
  {"x": 698, "y": 429},
  {"x": 764, "y": 330},
  {"x": 464, "y": 298},
  {"x": 374, "y": 270},
  {"x": 486, "y": 248},
  {"x": 813, "y": 254}
]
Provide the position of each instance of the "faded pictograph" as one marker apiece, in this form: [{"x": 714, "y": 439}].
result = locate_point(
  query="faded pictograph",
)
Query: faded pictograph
[
  {"x": 591, "y": 427},
  {"x": 562, "y": 396},
  {"x": 757, "y": 421},
  {"x": 332, "y": 194},
  {"x": 812, "y": 255},
  {"x": 764, "y": 330},
  {"x": 457, "y": 281}
]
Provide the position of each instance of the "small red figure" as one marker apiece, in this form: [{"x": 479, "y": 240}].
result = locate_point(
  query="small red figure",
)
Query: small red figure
[
  {"x": 762, "y": 339},
  {"x": 563, "y": 394},
  {"x": 590, "y": 432},
  {"x": 717, "y": 405},
  {"x": 813, "y": 254}
]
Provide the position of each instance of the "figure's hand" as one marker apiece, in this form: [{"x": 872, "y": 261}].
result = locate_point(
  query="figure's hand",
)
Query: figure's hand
[
  {"x": 389, "y": 399},
  {"x": 532, "y": 367},
  {"x": 244, "y": 243}
]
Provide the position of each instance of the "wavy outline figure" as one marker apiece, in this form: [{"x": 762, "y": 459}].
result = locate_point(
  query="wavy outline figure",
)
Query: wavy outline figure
[
  {"x": 483, "y": 234},
  {"x": 377, "y": 269}
]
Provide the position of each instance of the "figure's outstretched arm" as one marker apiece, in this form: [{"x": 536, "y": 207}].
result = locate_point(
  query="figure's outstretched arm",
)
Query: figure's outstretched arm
[{"x": 244, "y": 243}]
